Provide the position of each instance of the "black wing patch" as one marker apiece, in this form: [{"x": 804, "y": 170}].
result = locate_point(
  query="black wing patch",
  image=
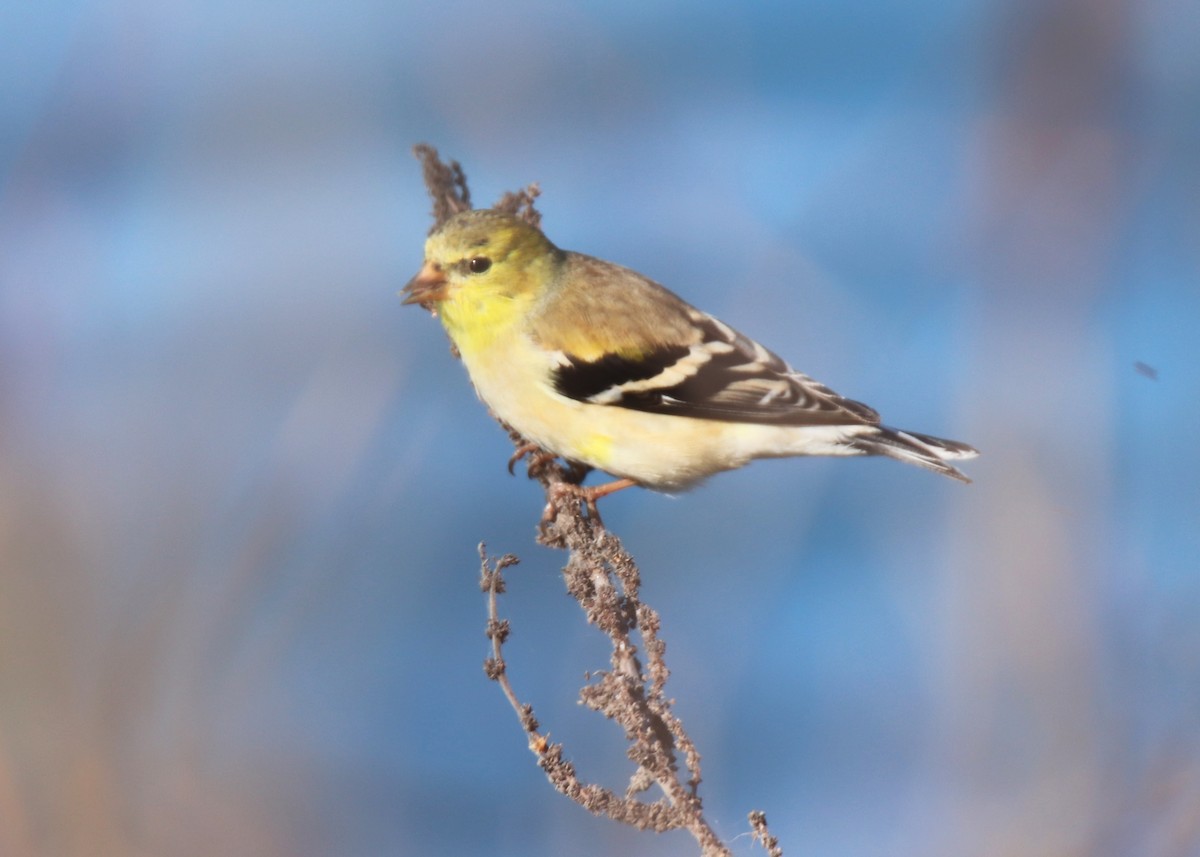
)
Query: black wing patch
[
  {"x": 724, "y": 376},
  {"x": 582, "y": 380}
]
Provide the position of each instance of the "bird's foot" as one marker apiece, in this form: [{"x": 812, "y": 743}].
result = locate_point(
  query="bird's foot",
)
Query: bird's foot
[
  {"x": 539, "y": 458},
  {"x": 560, "y": 491}
]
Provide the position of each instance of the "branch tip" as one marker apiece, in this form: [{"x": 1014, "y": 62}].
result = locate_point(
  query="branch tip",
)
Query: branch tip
[
  {"x": 758, "y": 827},
  {"x": 446, "y": 183}
]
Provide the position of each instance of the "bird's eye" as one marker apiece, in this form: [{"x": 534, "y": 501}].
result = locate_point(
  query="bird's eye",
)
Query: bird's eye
[{"x": 479, "y": 264}]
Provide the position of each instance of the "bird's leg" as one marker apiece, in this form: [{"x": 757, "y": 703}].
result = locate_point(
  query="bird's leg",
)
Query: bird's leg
[{"x": 559, "y": 490}]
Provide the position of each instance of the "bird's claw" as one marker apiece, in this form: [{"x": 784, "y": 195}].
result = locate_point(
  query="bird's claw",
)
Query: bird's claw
[
  {"x": 558, "y": 490},
  {"x": 539, "y": 460},
  {"x": 522, "y": 451}
]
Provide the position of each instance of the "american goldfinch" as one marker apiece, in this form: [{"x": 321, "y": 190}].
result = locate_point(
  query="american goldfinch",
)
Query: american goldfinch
[{"x": 599, "y": 365}]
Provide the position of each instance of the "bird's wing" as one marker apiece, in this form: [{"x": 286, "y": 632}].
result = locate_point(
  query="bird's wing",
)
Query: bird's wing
[{"x": 661, "y": 355}]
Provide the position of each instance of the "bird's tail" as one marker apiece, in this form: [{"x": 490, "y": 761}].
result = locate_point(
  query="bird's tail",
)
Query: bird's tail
[{"x": 920, "y": 449}]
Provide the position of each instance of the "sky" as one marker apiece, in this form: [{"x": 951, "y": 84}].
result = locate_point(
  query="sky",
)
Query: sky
[{"x": 242, "y": 487}]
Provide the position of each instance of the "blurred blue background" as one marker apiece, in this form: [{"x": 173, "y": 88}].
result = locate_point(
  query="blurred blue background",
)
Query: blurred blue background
[{"x": 241, "y": 487}]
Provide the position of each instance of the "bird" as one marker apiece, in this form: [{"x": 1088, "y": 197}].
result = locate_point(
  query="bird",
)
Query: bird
[{"x": 601, "y": 366}]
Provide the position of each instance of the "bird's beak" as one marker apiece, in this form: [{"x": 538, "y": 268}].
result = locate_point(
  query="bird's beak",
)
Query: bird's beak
[{"x": 428, "y": 287}]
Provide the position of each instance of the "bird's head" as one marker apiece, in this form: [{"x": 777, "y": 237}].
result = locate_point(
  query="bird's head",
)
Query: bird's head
[{"x": 478, "y": 256}]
